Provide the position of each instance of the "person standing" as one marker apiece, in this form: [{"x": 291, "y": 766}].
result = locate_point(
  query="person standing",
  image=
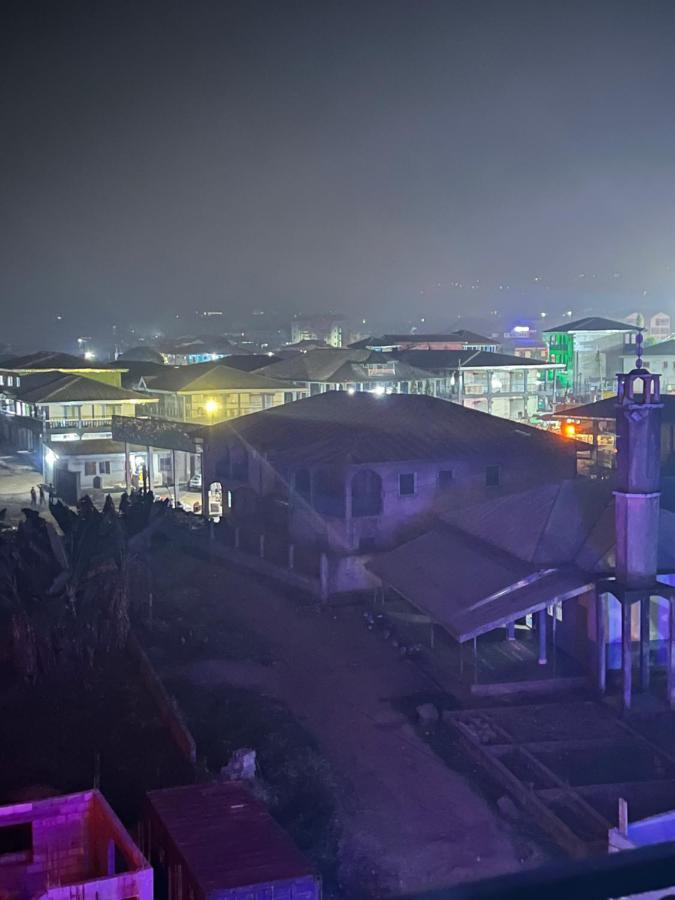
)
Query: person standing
[
  {"x": 41, "y": 489},
  {"x": 33, "y": 496}
]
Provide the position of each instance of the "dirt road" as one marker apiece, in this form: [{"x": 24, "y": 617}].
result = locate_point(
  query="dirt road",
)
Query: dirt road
[{"x": 409, "y": 822}]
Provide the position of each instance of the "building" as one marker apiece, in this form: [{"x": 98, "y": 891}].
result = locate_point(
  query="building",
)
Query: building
[
  {"x": 455, "y": 340},
  {"x": 591, "y": 350},
  {"x": 217, "y": 842},
  {"x": 328, "y": 328},
  {"x": 213, "y": 392},
  {"x": 509, "y": 386},
  {"x": 64, "y": 363},
  {"x": 660, "y": 359},
  {"x": 660, "y": 327},
  {"x": 354, "y": 473},
  {"x": 592, "y": 563},
  {"x": 196, "y": 349},
  {"x": 66, "y": 847},
  {"x": 354, "y": 370}
]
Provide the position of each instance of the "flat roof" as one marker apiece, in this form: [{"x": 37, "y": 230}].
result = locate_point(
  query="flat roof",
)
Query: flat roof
[{"x": 226, "y": 836}]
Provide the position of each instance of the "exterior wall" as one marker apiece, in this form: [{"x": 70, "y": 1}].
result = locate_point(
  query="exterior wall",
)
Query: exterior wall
[
  {"x": 114, "y": 478},
  {"x": 659, "y": 365},
  {"x": 230, "y": 404},
  {"x": 72, "y": 842}
]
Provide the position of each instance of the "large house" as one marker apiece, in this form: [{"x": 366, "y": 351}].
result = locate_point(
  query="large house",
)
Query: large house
[
  {"x": 357, "y": 472},
  {"x": 660, "y": 359},
  {"x": 591, "y": 351},
  {"x": 64, "y": 363},
  {"x": 204, "y": 393},
  {"x": 455, "y": 340}
]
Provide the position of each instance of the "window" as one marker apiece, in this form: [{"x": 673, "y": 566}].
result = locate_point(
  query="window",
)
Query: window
[
  {"x": 492, "y": 476},
  {"x": 15, "y": 839},
  {"x": 10, "y": 380},
  {"x": 104, "y": 467},
  {"x": 90, "y": 468},
  {"x": 406, "y": 484},
  {"x": 445, "y": 478}
]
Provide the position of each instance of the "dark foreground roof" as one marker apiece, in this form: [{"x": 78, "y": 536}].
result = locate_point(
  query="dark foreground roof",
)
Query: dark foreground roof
[
  {"x": 63, "y": 388},
  {"x": 593, "y": 323},
  {"x": 606, "y": 409},
  {"x": 365, "y": 427},
  {"x": 226, "y": 837}
]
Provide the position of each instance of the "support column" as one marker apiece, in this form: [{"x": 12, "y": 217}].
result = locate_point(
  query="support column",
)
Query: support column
[
  {"x": 645, "y": 605},
  {"x": 126, "y": 466},
  {"x": 541, "y": 628},
  {"x": 671, "y": 654},
  {"x": 601, "y": 641},
  {"x": 626, "y": 654},
  {"x": 511, "y": 631},
  {"x": 489, "y": 391},
  {"x": 150, "y": 467},
  {"x": 175, "y": 478}
]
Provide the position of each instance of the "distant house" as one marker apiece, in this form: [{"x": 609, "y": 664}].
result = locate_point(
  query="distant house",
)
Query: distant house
[
  {"x": 195, "y": 349},
  {"x": 455, "y": 340},
  {"x": 591, "y": 351},
  {"x": 218, "y": 842},
  {"x": 354, "y": 472},
  {"x": 658, "y": 358},
  {"x": 213, "y": 392},
  {"x": 354, "y": 370},
  {"x": 67, "y": 847},
  {"x": 64, "y": 363},
  {"x": 660, "y": 326},
  {"x": 328, "y": 328}
]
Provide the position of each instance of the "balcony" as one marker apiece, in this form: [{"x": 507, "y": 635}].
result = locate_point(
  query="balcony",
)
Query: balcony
[{"x": 79, "y": 425}]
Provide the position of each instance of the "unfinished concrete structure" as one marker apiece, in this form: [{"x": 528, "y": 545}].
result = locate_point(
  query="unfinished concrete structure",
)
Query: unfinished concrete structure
[{"x": 70, "y": 846}]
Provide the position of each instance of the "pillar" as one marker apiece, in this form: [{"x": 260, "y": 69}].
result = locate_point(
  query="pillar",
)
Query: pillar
[
  {"x": 151, "y": 474},
  {"x": 175, "y": 478},
  {"x": 671, "y": 654},
  {"x": 541, "y": 628},
  {"x": 489, "y": 391},
  {"x": 323, "y": 576},
  {"x": 626, "y": 654},
  {"x": 261, "y": 546},
  {"x": 126, "y": 465},
  {"x": 645, "y": 604},
  {"x": 511, "y": 631},
  {"x": 601, "y": 641},
  {"x": 291, "y": 556}
]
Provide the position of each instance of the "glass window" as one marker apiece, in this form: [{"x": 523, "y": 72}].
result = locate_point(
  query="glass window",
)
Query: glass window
[
  {"x": 90, "y": 468},
  {"x": 406, "y": 484},
  {"x": 104, "y": 467}
]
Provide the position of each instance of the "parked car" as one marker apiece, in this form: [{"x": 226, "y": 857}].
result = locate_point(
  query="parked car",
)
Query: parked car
[{"x": 195, "y": 483}]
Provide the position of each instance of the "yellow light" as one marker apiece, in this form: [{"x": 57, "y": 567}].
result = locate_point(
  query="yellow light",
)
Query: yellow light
[
  {"x": 211, "y": 406},
  {"x": 570, "y": 429}
]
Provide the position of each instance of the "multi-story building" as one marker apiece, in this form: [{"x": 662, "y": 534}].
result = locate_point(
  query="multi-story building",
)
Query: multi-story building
[
  {"x": 658, "y": 358},
  {"x": 328, "y": 328},
  {"x": 213, "y": 392},
  {"x": 456, "y": 340},
  {"x": 69, "y": 847},
  {"x": 660, "y": 327},
  {"x": 590, "y": 350}
]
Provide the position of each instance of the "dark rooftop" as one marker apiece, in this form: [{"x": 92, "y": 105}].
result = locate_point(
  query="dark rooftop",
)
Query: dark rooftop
[
  {"x": 592, "y": 323},
  {"x": 71, "y": 388},
  {"x": 365, "y": 427},
  {"x": 142, "y": 354},
  {"x": 45, "y": 360},
  {"x": 665, "y": 348},
  {"x": 391, "y": 340},
  {"x": 213, "y": 376},
  {"x": 606, "y": 409},
  {"x": 249, "y": 362},
  {"x": 475, "y": 359},
  {"x": 226, "y": 837}
]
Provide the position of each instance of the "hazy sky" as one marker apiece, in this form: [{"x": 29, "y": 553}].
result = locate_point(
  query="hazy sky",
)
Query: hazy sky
[{"x": 363, "y": 156}]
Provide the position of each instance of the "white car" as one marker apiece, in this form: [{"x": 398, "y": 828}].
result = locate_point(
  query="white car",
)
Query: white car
[{"x": 195, "y": 483}]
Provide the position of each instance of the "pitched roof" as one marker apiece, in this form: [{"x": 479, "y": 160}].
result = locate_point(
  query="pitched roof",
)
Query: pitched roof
[
  {"x": 53, "y": 387},
  {"x": 85, "y": 447},
  {"x": 366, "y": 428},
  {"x": 250, "y": 362},
  {"x": 316, "y": 365},
  {"x": 606, "y": 409},
  {"x": 50, "y": 360},
  {"x": 213, "y": 376},
  {"x": 392, "y": 340},
  {"x": 665, "y": 348},
  {"x": 226, "y": 837},
  {"x": 142, "y": 354},
  {"x": 593, "y": 323},
  {"x": 474, "y": 359}
]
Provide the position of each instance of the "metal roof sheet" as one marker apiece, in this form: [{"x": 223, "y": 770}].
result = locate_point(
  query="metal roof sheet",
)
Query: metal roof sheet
[
  {"x": 213, "y": 376},
  {"x": 71, "y": 388}
]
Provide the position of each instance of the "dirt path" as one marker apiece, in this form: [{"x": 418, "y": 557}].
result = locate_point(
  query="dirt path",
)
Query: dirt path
[{"x": 409, "y": 821}]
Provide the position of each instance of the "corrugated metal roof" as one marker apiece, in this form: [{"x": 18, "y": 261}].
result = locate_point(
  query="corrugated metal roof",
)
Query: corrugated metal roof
[
  {"x": 64, "y": 388},
  {"x": 363, "y": 428},
  {"x": 213, "y": 376},
  {"x": 606, "y": 409},
  {"x": 85, "y": 447},
  {"x": 317, "y": 365},
  {"x": 49, "y": 359},
  {"x": 472, "y": 359},
  {"x": 226, "y": 837},
  {"x": 592, "y": 323},
  {"x": 392, "y": 340}
]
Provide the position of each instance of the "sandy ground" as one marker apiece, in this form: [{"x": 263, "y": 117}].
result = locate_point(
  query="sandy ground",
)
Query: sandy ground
[
  {"x": 17, "y": 476},
  {"x": 412, "y": 821}
]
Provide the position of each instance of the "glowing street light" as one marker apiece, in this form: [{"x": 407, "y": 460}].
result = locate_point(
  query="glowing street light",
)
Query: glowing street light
[{"x": 211, "y": 406}]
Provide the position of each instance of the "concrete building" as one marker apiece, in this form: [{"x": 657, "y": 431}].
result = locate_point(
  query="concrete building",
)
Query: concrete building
[
  {"x": 66, "y": 847},
  {"x": 49, "y": 361},
  {"x": 329, "y": 328},
  {"x": 218, "y": 842},
  {"x": 355, "y": 473},
  {"x": 660, "y": 359},
  {"x": 455, "y": 340},
  {"x": 509, "y": 386},
  {"x": 659, "y": 327},
  {"x": 196, "y": 349},
  {"x": 591, "y": 350},
  {"x": 354, "y": 370},
  {"x": 213, "y": 392}
]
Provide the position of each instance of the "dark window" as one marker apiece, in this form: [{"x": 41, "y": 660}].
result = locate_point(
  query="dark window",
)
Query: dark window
[
  {"x": 406, "y": 484},
  {"x": 104, "y": 468},
  {"x": 288, "y": 396},
  {"x": 16, "y": 839},
  {"x": 366, "y": 493},
  {"x": 445, "y": 478},
  {"x": 492, "y": 476},
  {"x": 90, "y": 468}
]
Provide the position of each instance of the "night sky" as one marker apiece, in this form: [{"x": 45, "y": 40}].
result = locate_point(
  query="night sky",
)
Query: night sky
[{"x": 368, "y": 157}]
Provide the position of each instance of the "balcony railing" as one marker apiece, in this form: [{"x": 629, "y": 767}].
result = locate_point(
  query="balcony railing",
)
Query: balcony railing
[{"x": 77, "y": 424}]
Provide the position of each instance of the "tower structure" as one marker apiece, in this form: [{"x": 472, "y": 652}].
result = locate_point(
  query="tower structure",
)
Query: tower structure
[{"x": 637, "y": 504}]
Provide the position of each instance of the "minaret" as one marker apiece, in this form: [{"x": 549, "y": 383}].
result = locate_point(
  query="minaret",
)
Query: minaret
[{"x": 637, "y": 501}]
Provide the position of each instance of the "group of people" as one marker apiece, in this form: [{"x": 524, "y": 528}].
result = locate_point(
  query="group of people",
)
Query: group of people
[{"x": 41, "y": 494}]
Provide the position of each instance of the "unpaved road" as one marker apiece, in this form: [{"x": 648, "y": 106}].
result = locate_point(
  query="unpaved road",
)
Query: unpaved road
[{"x": 409, "y": 821}]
